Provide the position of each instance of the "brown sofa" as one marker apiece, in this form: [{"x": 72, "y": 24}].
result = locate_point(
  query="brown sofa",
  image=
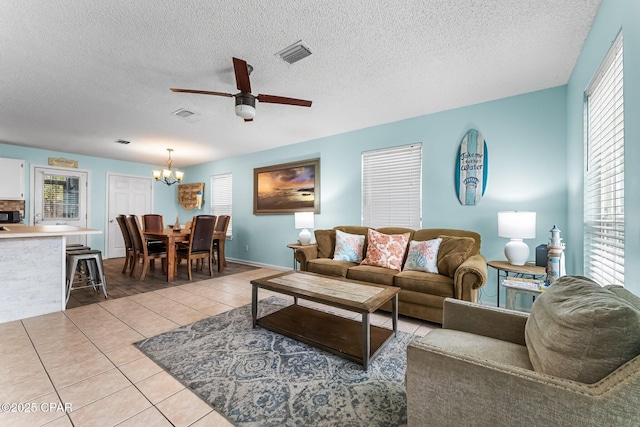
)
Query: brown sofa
[{"x": 422, "y": 294}]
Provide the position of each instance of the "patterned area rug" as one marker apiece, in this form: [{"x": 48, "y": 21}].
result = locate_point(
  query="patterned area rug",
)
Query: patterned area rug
[{"x": 255, "y": 377}]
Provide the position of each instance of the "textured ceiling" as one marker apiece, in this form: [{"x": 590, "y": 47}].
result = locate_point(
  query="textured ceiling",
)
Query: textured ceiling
[{"x": 76, "y": 75}]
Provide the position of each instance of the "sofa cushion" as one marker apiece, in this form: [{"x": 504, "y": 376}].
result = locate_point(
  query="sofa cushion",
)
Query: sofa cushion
[
  {"x": 581, "y": 331},
  {"x": 475, "y": 346},
  {"x": 452, "y": 252},
  {"x": 349, "y": 247},
  {"x": 386, "y": 250},
  {"x": 432, "y": 233},
  {"x": 326, "y": 242},
  {"x": 329, "y": 267},
  {"x": 428, "y": 283},
  {"x": 371, "y": 274},
  {"x": 423, "y": 256},
  {"x": 396, "y": 230}
]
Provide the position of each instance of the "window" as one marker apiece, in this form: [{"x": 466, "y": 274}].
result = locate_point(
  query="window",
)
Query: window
[
  {"x": 604, "y": 172},
  {"x": 391, "y": 187},
  {"x": 221, "y": 203},
  {"x": 61, "y": 197}
]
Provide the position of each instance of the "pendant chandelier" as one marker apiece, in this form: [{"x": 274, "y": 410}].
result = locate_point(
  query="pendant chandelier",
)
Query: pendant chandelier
[{"x": 168, "y": 176}]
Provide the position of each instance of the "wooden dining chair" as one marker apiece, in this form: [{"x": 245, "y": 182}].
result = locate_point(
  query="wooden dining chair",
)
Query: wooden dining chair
[
  {"x": 218, "y": 246},
  {"x": 200, "y": 245},
  {"x": 144, "y": 251},
  {"x": 130, "y": 253},
  {"x": 152, "y": 222}
]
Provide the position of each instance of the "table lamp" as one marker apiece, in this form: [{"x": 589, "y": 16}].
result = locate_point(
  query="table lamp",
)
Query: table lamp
[
  {"x": 304, "y": 220},
  {"x": 517, "y": 225}
]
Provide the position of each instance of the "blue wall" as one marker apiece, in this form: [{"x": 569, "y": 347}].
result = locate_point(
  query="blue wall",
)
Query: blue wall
[
  {"x": 613, "y": 16},
  {"x": 527, "y": 160},
  {"x": 526, "y": 144}
]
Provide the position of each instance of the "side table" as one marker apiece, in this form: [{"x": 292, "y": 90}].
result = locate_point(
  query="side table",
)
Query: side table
[
  {"x": 516, "y": 286},
  {"x": 505, "y": 270},
  {"x": 294, "y": 247}
]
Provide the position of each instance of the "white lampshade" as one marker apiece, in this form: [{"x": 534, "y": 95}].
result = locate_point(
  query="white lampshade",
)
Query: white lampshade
[
  {"x": 304, "y": 220},
  {"x": 516, "y": 225},
  {"x": 245, "y": 111}
]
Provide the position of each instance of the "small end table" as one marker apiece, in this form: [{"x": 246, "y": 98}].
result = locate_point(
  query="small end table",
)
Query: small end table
[
  {"x": 505, "y": 270},
  {"x": 515, "y": 286},
  {"x": 294, "y": 247}
]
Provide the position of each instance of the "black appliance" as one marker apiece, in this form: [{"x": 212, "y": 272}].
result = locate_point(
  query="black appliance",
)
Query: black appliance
[
  {"x": 9, "y": 217},
  {"x": 541, "y": 255}
]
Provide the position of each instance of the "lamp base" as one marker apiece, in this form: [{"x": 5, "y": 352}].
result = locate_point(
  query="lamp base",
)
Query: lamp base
[
  {"x": 517, "y": 252},
  {"x": 304, "y": 237}
]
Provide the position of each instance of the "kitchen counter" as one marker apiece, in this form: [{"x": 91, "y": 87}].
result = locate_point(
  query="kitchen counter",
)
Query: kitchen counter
[
  {"x": 32, "y": 269},
  {"x": 12, "y": 231}
]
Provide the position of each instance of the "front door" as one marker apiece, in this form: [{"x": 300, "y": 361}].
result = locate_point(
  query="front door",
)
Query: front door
[{"x": 60, "y": 197}]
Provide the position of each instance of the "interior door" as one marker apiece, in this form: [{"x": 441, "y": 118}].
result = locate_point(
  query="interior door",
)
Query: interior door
[
  {"x": 128, "y": 195},
  {"x": 60, "y": 197}
]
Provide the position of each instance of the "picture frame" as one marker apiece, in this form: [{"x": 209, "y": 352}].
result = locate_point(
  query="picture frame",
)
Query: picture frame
[{"x": 287, "y": 188}]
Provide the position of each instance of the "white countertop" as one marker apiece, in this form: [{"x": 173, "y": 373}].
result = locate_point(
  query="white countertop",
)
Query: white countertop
[{"x": 12, "y": 231}]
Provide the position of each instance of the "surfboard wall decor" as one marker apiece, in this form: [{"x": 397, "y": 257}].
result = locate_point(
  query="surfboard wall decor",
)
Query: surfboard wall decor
[{"x": 471, "y": 168}]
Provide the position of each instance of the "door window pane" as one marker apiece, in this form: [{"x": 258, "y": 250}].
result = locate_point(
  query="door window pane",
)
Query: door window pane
[{"x": 61, "y": 197}]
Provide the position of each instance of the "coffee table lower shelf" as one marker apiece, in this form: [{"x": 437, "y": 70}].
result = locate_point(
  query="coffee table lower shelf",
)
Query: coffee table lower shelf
[{"x": 338, "y": 335}]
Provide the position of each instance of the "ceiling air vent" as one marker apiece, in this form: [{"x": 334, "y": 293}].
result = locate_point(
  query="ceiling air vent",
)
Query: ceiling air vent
[
  {"x": 183, "y": 113},
  {"x": 295, "y": 52}
]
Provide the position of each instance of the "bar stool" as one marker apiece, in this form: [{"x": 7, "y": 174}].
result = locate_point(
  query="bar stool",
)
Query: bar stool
[
  {"x": 83, "y": 266},
  {"x": 75, "y": 246},
  {"x": 91, "y": 260}
]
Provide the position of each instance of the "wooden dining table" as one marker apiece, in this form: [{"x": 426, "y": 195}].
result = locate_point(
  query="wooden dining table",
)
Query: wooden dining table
[{"x": 171, "y": 238}]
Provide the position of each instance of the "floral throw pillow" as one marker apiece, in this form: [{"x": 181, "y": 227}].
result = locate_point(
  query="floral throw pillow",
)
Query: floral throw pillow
[
  {"x": 349, "y": 247},
  {"x": 423, "y": 256},
  {"x": 386, "y": 250}
]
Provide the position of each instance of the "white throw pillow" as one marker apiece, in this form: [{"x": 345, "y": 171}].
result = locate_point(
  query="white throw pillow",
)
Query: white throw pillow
[
  {"x": 349, "y": 247},
  {"x": 423, "y": 256}
]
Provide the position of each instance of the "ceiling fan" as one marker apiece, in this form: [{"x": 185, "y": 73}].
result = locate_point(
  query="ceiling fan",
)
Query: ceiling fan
[{"x": 245, "y": 101}]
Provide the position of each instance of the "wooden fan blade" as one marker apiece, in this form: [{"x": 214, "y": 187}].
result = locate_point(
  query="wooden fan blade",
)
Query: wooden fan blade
[
  {"x": 201, "y": 92},
  {"x": 282, "y": 100},
  {"x": 242, "y": 75}
]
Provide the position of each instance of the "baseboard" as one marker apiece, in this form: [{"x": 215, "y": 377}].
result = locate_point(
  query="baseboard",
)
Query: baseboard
[{"x": 258, "y": 264}]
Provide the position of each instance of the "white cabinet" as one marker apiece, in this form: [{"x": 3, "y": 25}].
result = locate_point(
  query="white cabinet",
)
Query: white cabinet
[{"x": 12, "y": 178}]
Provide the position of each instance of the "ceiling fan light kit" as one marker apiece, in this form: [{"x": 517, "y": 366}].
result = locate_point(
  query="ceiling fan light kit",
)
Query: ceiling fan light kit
[
  {"x": 245, "y": 100},
  {"x": 245, "y": 106}
]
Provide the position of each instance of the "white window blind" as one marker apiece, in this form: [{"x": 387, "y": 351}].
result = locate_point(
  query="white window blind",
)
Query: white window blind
[
  {"x": 392, "y": 187},
  {"x": 221, "y": 200},
  {"x": 604, "y": 172}
]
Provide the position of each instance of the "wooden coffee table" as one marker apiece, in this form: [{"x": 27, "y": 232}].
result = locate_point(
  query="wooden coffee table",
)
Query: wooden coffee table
[{"x": 347, "y": 338}]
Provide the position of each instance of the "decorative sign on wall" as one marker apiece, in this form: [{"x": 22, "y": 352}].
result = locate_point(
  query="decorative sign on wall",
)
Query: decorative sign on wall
[
  {"x": 61, "y": 161},
  {"x": 191, "y": 196},
  {"x": 471, "y": 168}
]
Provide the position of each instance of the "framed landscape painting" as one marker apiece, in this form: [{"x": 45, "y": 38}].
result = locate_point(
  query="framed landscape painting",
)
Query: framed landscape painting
[{"x": 287, "y": 188}]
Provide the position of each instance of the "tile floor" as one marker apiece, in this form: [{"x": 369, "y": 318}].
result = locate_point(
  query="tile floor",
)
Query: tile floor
[{"x": 80, "y": 368}]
